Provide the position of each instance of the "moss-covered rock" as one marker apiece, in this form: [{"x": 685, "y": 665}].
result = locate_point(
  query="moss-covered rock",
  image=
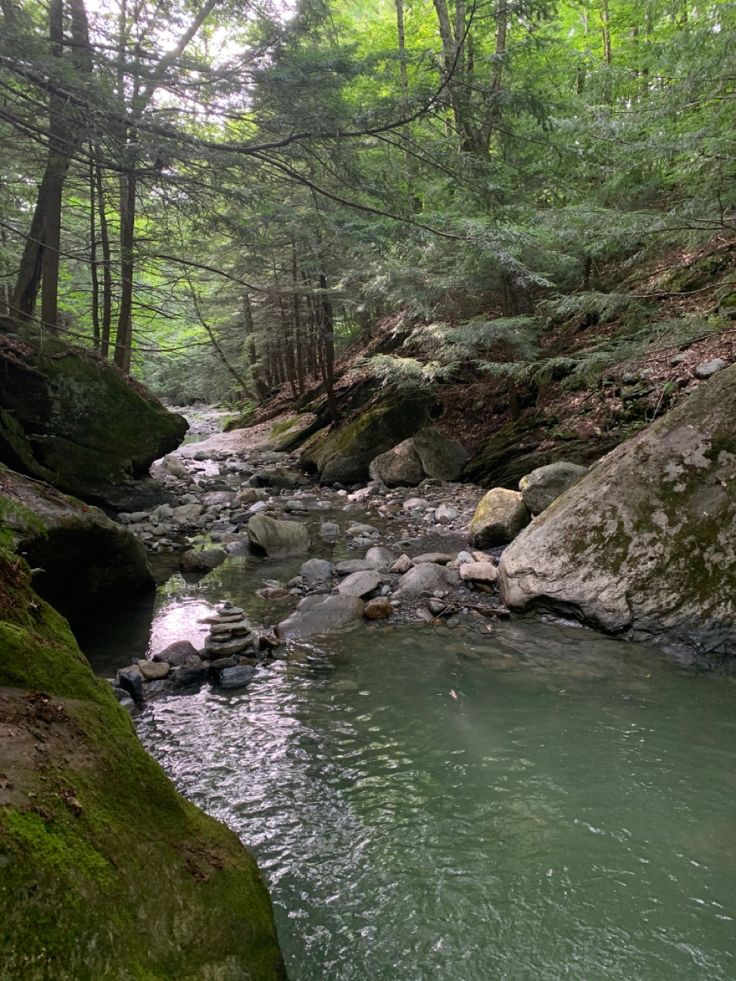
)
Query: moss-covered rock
[
  {"x": 645, "y": 544},
  {"x": 69, "y": 417},
  {"x": 105, "y": 871},
  {"x": 81, "y": 559},
  {"x": 344, "y": 455}
]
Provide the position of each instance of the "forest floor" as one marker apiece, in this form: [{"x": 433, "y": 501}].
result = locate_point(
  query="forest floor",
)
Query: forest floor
[{"x": 629, "y": 368}]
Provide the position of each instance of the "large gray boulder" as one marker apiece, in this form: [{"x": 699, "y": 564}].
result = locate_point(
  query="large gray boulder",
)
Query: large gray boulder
[
  {"x": 71, "y": 418},
  {"x": 442, "y": 458},
  {"x": 545, "y": 484},
  {"x": 645, "y": 544},
  {"x": 277, "y": 539},
  {"x": 398, "y": 467},
  {"x": 499, "y": 517}
]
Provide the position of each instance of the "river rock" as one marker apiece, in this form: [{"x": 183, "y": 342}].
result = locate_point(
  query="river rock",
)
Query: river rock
[
  {"x": 189, "y": 676},
  {"x": 709, "y": 368},
  {"x": 482, "y": 572},
  {"x": 277, "y": 539},
  {"x": 329, "y": 529},
  {"x": 360, "y": 584},
  {"x": 437, "y": 558},
  {"x": 204, "y": 560},
  {"x": 445, "y": 513},
  {"x": 646, "y": 543},
  {"x": 499, "y": 517},
  {"x": 215, "y": 647},
  {"x": 187, "y": 514},
  {"x": 425, "y": 578},
  {"x": 130, "y": 679},
  {"x": 402, "y": 564},
  {"x": 348, "y": 566},
  {"x": 332, "y": 613},
  {"x": 278, "y": 477},
  {"x": 236, "y": 677},
  {"x": 379, "y": 608},
  {"x": 178, "y": 653},
  {"x": 545, "y": 484},
  {"x": 398, "y": 467},
  {"x": 317, "y": 570},
  {"x": 153, "y": 670},
  {"x": 379, "y": 558},
  {"x": 441, "y": 457}
]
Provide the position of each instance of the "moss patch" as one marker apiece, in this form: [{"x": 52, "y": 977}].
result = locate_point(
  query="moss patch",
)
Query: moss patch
[{"x": 106, "y": 872}]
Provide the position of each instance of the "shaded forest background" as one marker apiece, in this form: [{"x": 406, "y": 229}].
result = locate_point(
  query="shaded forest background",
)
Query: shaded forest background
[{"x": 222, "y": 198}]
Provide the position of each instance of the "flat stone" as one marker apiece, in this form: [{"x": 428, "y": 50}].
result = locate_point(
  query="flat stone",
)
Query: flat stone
[
  {"x": 215, "y": 648},
  {"x": 153, "y": 670},
  {"x": 317, "y": 570},
  {"x": 360, "y": 584},
  {"x": 348, "y": 566},
  {"x": 438, "y": 558},
  {"x": 484, "y": 572}
]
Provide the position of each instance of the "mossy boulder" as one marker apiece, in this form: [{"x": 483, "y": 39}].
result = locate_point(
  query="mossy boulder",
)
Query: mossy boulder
[
  {"x": 344, "y": 455},
  {"x": 74, "y": 420},
  {"x": 106, "y": 871},
  {"x": 645, "y": 544},
  {"x": 81, "y": 559},
  {"x": 499, "y": 517}
]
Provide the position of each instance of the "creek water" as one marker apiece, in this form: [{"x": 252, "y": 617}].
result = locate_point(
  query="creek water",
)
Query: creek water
[{"x": 429, "y": 802}]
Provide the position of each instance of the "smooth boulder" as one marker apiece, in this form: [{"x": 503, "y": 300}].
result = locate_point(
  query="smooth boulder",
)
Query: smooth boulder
[
  {"x": 441, "y": 457},
  {"x": 499, "y": 517},
  {"x": 545, "y": 484},
  {"x": 426, "y": 578},
  {"x": 330, "y": 613},
  {"x": 645, "y": 544},
  {"x": 277, "y": 539},
  {"x": 399, "y": 466}
]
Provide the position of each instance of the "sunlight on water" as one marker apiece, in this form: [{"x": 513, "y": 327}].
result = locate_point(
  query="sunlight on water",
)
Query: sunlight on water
[{"x": 568, "y": 814}]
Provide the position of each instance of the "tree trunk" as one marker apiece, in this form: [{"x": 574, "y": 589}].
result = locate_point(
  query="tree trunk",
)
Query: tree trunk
[
  {"x": 328, "y": 349},
  {"x": 106, "y": 325},
  {"x": 93, "y": 263}
]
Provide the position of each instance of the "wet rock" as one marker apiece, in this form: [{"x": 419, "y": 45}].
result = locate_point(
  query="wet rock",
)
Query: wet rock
[
  {"x": 153, "y": 670},
  {"x": 130, "y": 679},
  {"x": 272, "y": 592},
  {"x": 328, "y": 529},
  {"x": 545, "y": 484},
  {"x": 436, "y": 606},
  {"x": 360, "y": 584},
  {"x": 277, "y": 538},
  {"x": 215, "y": 648},
  {"x": 237, "y": 677},
  {"x": 189, "y": 676},
  {"x": 317, "y": 570},
  {"x": 332, "y": 613},
  {"x": 499, "y": 517},
  {"x": 204, "y": 560},
  {"x": 425, "y": 578},
  {"x": 358, "y": 530},
  {"x": 278, "y": 477},
  {"x": 186, "y": 514},
  {"x": 181, "y": 652},
  {"x": 378, "y": 609}
]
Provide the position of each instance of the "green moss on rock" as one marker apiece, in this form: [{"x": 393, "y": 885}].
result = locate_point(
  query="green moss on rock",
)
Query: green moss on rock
[
  {"x": 71, "y": 418},
  {"x": 344, "y": 454},
  {"x": 105, "y": 870}
]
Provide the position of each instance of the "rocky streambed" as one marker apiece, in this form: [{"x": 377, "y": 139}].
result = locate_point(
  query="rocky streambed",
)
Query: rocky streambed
[{"x": 343, "y": 557}]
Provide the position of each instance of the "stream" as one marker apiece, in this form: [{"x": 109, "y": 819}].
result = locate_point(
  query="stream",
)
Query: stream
[{"x": 448, "y": 801}]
